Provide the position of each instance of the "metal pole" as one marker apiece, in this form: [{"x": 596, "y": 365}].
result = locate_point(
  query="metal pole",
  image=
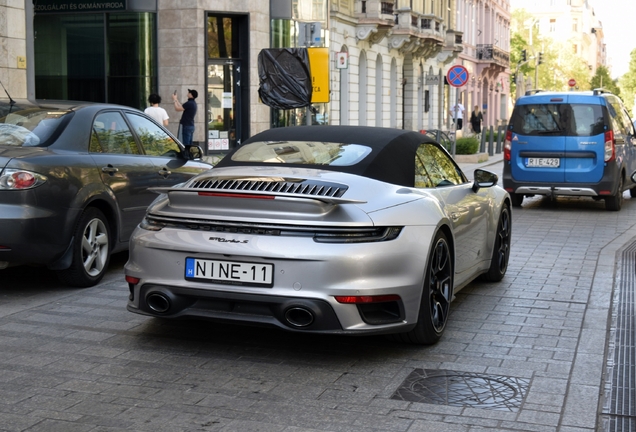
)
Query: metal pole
[{"x": 455, "y": 109}]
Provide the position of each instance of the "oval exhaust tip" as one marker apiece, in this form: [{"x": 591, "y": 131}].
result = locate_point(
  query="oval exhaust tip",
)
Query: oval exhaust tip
[
  {"x": 158, "y": 302},
  {"x": 299, "y": 316}
]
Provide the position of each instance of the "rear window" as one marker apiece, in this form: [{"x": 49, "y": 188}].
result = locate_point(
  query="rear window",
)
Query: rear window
[
  {"x": 302, "y": 152},
  {"x": 31, "y": 127},
  {"x": 558, "y": 119}
]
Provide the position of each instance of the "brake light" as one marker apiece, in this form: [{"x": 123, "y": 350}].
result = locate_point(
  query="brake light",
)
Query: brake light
[
  {"x": 610, "y": 152},
  {"x": 367, "y": 299},
  {"x": 132, "y": 280},
  {"x": 12, "y": 179},
  {"x": 507, "y": 145}
]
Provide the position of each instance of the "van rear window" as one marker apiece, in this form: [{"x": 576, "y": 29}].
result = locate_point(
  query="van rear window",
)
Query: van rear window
[{"x": 558, "y": 119}]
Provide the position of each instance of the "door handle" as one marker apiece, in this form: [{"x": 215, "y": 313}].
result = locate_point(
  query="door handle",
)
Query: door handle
[
  {"x": 110, "y": 169},
  {"x": 454, "y": 216},
  {"x": 164, "y": 172}
]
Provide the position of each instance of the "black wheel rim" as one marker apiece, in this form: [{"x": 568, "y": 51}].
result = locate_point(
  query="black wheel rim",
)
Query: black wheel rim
[
  {"x": 503, "y": 241},
  {"x": 440, "y": 285}
]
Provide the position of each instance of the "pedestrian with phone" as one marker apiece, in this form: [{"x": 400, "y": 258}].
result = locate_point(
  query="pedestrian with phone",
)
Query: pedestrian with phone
[
  {"x": 155, "y": 111},
  {"x": 189, "y": 109}
]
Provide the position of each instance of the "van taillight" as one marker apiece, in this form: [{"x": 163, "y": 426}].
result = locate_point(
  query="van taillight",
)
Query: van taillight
[
  {"x": 610, "y": 153},
  {"x": 507, "y": 144}
]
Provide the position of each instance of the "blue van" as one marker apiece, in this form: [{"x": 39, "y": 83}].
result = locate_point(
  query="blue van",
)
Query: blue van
[{"x": 570, "y": 144}]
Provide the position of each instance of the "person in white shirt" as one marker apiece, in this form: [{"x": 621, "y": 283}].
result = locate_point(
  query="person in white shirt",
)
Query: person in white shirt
[
  {"x": 155, "y": 111},
  {"x": 457, "y": 112}
]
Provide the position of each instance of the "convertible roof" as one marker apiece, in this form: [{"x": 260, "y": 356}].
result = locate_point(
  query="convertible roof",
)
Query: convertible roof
[{"x": 392, "y": 157}]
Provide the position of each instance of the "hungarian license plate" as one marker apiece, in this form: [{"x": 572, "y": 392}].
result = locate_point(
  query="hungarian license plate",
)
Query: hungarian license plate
[
  {"x": 543, "y": 162},
  {"x": 229, "y": 272}
]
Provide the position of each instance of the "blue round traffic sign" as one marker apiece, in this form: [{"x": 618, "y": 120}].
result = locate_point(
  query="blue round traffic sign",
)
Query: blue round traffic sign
[{"x": 457, "y": 76}]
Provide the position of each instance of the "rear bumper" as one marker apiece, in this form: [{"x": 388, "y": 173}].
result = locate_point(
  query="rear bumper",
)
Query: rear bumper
[
  {"x": 604, "y": 188},
  {"x": 288, "y": 313},
  {"x": 32, "y": 235}
]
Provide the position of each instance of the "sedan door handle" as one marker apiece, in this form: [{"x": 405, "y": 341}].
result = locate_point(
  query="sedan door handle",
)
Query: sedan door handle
[
  {"x": 454, "y": 216},
  {"x": 110, "y": 169},
  {"x": 164, "y": 172}
]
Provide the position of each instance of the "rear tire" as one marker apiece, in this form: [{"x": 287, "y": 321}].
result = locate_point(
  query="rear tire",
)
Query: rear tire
[
  {"x": 437, "y": 294},
  {"x": 501, "y": 248},
  {"x": 516, "y": 199},
  {"x": 615, "y": 202},
  {"x": 91, "y": 250}
]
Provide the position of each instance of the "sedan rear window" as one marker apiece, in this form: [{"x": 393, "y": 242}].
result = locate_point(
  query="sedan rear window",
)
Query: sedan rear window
[
  {"x": 302, "y": 152},
  {"x": 31, "y": 127},
  {"x": 558, "y": 119}
]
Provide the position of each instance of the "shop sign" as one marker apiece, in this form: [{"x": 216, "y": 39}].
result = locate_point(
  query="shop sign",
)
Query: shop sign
[
  {"x": 319, "y": 68},
  {"x": 74, "y": 6}
]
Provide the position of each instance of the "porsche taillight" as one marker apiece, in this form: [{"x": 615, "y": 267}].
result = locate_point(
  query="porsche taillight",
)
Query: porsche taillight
[
  {"x": 610, "y": 151},
  {"x": 507, "y": 144}
]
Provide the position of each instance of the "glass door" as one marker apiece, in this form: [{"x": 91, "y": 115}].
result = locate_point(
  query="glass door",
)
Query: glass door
[{"x": 222, "y": 105}]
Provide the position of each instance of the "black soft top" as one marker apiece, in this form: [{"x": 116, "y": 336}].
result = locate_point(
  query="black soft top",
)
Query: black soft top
[{"x": 392, "y": 157}]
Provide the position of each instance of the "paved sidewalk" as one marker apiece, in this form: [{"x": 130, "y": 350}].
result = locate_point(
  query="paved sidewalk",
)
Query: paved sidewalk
[{"x": 529, "y": 352}]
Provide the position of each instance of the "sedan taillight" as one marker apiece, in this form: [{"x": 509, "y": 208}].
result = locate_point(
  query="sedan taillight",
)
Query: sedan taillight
[
  {"x": 610, "y": 152},
  {"x": 12, "y": 179}
]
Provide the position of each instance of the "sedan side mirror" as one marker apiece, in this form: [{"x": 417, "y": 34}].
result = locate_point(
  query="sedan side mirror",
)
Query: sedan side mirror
[
  {"x": 194, "y": 152},
  {"x": 485, "y": 179}
]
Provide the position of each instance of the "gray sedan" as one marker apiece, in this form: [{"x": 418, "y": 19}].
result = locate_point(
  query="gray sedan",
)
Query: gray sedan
[
  {"x": 322, "y": 229},
  {"x": 74, "y": 182}
]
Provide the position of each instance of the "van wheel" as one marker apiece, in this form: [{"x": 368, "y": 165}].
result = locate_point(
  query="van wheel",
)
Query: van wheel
[
  {"x": 91, "y": 250},
  {"x": 615, "y": 202},
  {"x": 516, "y": 199}
]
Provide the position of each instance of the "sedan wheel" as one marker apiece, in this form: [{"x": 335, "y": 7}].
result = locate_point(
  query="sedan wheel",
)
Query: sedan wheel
[
  {"x": 436, "y": 296},
  {"x": 501, "y": 248},
  {"x": 91, "y": 250}
]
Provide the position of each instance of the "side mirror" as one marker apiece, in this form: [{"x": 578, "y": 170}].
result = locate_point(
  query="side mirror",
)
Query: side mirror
[
  {"x": 485, "y": 179},
  {"x": 194, "y": 152}
]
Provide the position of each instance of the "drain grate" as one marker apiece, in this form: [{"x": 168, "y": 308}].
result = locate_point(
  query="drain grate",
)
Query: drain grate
[
  {"x": 619, "y": 404},
  {"x": 444, "y": 387}
]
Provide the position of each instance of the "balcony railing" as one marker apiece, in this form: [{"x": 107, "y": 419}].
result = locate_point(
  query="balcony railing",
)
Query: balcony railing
[
  {"x": 491, "y": 52},
  {"x": 386, "y": 8}
]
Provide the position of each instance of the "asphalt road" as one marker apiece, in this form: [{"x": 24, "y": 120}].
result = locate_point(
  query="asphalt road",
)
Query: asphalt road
[{"x": 525, "y": 354}]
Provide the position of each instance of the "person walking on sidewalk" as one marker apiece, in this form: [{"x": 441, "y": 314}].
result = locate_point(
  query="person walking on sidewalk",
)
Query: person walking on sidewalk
[
  {"x": 189, "y": 109},
  {"x": 476, "y": 118},
  {"x": 458, "y": 115}
]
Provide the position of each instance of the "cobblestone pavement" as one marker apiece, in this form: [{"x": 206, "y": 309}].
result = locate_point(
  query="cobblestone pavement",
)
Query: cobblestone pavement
[{"x": 76, "y": 360}]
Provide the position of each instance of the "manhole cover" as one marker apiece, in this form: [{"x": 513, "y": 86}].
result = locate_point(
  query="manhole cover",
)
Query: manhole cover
[{"x": 443, "y": 387}]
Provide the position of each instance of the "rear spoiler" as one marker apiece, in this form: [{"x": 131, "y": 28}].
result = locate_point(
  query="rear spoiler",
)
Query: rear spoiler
[{"x": 255, "y": 195}]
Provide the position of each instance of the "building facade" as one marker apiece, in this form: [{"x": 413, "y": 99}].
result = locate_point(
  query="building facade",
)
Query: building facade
[{"x": 387, "y": 64}]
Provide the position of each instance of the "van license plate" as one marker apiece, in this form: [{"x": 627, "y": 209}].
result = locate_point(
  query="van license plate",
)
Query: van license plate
[
  {"x": 543, "y": 162},
  {"x": 229, "y": 272}
]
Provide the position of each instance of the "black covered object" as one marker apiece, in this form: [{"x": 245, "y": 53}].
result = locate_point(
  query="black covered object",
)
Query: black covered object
[
  {"x": 392, "y": 157},
  {"x": 284, "y": 78}
]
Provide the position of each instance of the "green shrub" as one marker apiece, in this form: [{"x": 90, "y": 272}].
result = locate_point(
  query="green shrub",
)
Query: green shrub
[{"x": 466, "y": 146}]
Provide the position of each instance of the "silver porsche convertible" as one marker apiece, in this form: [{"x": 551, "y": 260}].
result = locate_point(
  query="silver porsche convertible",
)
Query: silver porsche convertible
[{"x": 322, "y": 229}]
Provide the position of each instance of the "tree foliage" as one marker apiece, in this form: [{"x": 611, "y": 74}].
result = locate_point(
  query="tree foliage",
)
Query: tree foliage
[
  {"x": 627, "y": 83},
  {"x": 560, "y": 63},
  {"x": 602, "y": 79}
]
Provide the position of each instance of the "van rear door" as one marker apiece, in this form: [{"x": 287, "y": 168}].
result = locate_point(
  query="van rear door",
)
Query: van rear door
[
  {"x": 585, "y": 140},
  {"x": 538, "y": 141}
]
